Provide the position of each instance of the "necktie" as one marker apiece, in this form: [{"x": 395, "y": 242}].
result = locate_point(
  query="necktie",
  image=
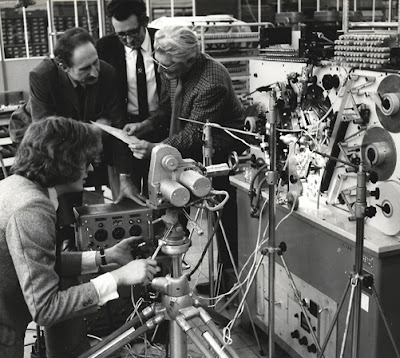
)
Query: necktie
[
  {"x": 81, "y": 91},
  {"x": 175, "y": 125},
  {"x": 141, "y": 86}
]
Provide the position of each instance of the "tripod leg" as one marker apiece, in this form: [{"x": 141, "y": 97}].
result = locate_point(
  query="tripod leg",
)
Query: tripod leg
[
  {"x": 187, "y": 329},
  {"x": 206, "y": 318},
  {"x": 353, "y": 287},
  {"x": 334, "y": 320},
  {"x": 375, "y": 294},
  {"x": 121, "y": 337}
]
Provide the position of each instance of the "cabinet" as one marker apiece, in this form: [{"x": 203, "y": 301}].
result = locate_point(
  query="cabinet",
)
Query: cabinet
[
  {"x": 320, "y": 255},
  {"x": 30, "y": 38}
]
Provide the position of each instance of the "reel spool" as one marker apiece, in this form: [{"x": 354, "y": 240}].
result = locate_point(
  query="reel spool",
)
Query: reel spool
[
  {"x": 378, "y": 152},
  {"x": 389, "y": 111}
]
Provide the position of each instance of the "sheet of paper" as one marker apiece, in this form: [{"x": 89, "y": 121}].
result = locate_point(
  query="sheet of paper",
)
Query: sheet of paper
[{"x": 117, "y": 133}]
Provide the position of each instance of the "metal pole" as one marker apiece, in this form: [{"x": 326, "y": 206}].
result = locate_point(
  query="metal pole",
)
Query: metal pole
[
  {"x": 102, "y": 18},
  {"x": 193, "y": 7},
  {"x": 2, "y": 58},
  {"x": 360, "y": 206},
  {"x": 172, "y": 8},
  {"x": 208, "y": 148},
  {"x": 76, "y": 13},
  {"x": 50, "y": 26},
  {"x": 272, "y": 180},
  {"x": 25, "y": 32},
  {"x": 345, "y": 25}
]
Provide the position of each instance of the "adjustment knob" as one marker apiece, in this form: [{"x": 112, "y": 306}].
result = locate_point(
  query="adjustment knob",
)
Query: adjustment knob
[
  {"x": 101, "y": 235},
  {"x": 375, "y": 193},
  {"x": 312, "y": 348},
  {"x": 135, "y": 230},
  {"x": 370, "y": 211},
  {"x": 303, "y": 341},
  {"x": 118, "y": 233},
  {"x": 295, "y": 334}
]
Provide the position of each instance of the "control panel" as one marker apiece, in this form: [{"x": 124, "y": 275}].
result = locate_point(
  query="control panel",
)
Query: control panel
[
  {"x": 294, "y": 325},
  {"x": 104, "y": 225}
]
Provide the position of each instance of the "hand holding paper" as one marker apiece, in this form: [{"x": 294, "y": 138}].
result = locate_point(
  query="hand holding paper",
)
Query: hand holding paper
[{"x": 117, "y": 133}]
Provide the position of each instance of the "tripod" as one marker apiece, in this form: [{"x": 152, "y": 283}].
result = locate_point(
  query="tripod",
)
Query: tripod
[
  {"x": 358, "y": 278},
  {"x": 177, "y": 305}
]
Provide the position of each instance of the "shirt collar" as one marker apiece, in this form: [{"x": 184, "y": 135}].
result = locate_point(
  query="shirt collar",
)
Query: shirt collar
[{"x": 53, "y": 197}]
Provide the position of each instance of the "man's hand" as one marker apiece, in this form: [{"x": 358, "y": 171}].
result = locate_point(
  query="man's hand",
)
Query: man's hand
[
  {"x": 121, "y": 253},
  {"x": 138, "y": 129},
  {"x": 137, "y": 271},
  {"x": 142, "y": 149},
  {"x": 129, "y": 190}
]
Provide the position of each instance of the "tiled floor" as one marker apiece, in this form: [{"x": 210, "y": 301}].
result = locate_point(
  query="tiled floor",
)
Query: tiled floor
[{"x": 243, "y": 342}]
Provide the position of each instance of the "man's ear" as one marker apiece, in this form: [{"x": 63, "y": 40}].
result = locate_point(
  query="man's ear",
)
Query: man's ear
[{"x": 63, "y": 65}]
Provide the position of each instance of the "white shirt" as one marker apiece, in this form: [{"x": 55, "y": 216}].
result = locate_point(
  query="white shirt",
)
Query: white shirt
[
  {"x": 105, "y": 284},
  {"x": 130, "y": 58}
]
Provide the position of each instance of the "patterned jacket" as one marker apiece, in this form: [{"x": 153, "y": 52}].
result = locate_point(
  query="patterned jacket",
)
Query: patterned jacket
[
  {"x": 30, "y": 285},
  {"x": 208, "y": 94}
]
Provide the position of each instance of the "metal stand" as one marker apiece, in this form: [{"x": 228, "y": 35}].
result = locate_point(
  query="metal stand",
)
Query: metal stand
[
  {"x": 207, "y": 161},
  {"x": 177, "y": 305},
  {"x": 272, "y": 181},
  {"x": 357, "y": 278}
]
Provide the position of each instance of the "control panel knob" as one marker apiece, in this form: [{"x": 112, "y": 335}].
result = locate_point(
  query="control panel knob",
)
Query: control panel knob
[
  {"x": 312, "y": 348},
  {"x": 118, "y": 233},
  {"x": 101, "y": 235},
  {"x": 295, "y": 334},
  {"x": 135, "y": 230},
  {"x": 303, "y": 341}
]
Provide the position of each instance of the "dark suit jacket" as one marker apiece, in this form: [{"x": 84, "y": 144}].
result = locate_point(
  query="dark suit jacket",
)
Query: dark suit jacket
[
  {"x": 30, "y": 285},
  {"x": 52, "y": 93},
  {"x": 111, "y": 50},
  {"x": 208, "y": 94}
]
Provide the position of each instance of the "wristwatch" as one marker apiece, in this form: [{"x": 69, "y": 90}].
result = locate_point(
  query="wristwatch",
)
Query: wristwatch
[{"x": 103, "y": 257}]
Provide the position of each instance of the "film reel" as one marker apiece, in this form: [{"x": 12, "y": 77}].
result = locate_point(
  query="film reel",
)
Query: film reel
[
  {"x": 389, "y": 111},
  {"x": 378, "y": 152},
  {"x": 388, "y": 208}
]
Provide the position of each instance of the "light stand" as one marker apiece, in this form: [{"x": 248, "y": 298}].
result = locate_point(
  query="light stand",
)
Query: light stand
[
  {"x": 357, "y": 278},
  {"x": 272, "y": 180},
  {"x": 207, "y": 161}
]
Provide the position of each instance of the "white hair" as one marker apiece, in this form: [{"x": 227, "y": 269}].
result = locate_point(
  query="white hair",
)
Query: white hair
[{"x": 177, "y": 41}]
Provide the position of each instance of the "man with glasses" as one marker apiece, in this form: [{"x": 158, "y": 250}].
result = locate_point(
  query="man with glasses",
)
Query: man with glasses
[
  {"x": 196, "y": 87},
  {"x": 129, "y": 51}
]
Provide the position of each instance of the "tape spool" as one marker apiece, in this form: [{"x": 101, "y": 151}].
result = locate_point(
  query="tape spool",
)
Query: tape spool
[
  {"x": 388, "y": 208},
  {"x": 378, "y": 152},
  {"x": 389, "y": 111}
]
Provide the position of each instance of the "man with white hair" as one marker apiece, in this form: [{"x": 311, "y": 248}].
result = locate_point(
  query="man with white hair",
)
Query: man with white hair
[{"x": 197, "y": 87}]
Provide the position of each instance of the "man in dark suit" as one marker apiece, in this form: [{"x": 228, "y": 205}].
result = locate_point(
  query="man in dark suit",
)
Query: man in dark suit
[
  {"x": 129, "y": 50},
  {"x": 199, "y": 88},
  {"x": 76, "y": 84}
]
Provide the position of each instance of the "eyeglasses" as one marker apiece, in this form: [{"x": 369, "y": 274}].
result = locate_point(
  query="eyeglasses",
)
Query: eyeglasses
[
  {"x": 131, "y": 33},
  {"x": 165, "y": 68}
]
